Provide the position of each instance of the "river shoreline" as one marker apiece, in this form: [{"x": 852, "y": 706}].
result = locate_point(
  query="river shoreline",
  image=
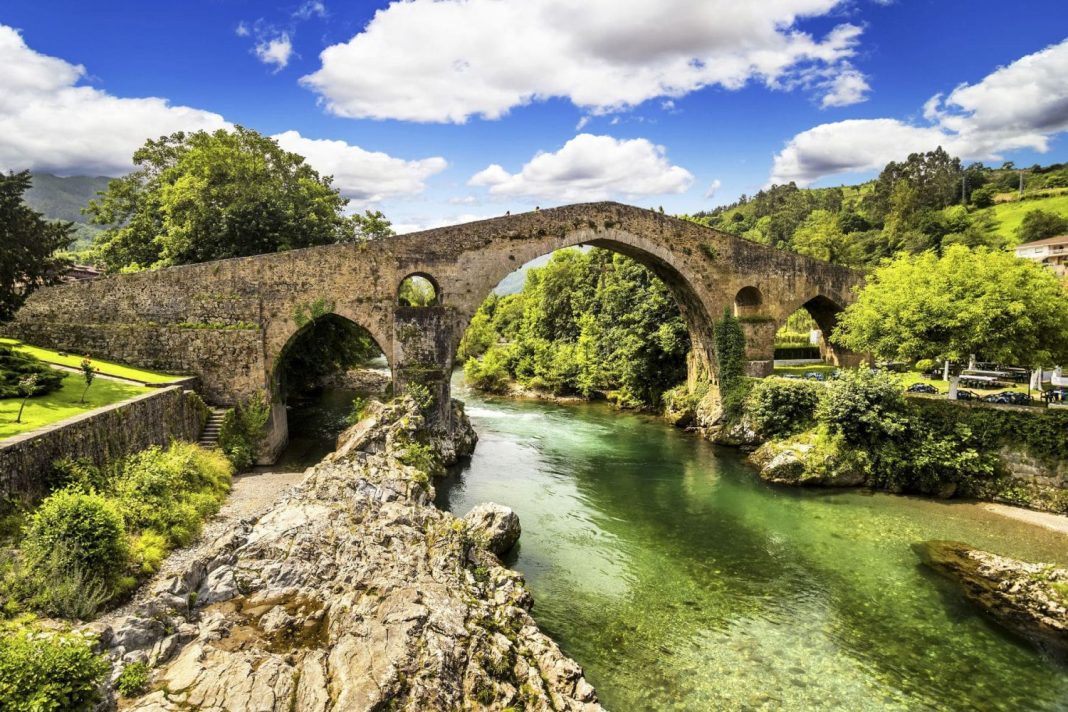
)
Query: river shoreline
[{"x": 1051, "y": 521}]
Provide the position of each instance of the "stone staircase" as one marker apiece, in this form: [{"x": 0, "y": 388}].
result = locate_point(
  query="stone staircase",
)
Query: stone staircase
[{"x": 209, "y": 438}]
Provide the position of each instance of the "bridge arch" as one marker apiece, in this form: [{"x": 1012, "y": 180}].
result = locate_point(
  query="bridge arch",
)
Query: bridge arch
[
  {"x": 418, "y": 289},
  {"x": 680, "y": 280},
  {"x": 748, "y": 302},
  {"x": 824, "y": 310}
]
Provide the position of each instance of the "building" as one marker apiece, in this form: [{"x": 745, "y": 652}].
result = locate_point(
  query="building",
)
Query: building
[
  {"x": 1051, "y": 252},
  {"x": 80, "y": 273}
]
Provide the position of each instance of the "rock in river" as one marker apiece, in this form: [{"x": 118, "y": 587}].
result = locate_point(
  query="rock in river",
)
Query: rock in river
[
  {"x": 1028, "y": 599},
  {"x": 498, "y": 524}
]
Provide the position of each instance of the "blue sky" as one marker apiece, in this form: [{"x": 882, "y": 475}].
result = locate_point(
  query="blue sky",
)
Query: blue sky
[{"x": 442, "y": 111}]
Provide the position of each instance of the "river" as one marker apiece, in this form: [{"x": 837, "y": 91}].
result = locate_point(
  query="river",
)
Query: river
[{"x": 681, "y": 582}]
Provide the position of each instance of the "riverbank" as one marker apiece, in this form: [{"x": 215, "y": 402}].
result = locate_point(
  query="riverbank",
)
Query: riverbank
[{"x": 351, "y": 591}]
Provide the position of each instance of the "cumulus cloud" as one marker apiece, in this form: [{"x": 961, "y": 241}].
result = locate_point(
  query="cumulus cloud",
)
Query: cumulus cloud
[
  {"x": 713, "y": 188},
  {"x": 276, "y": 50},
  {"x": 448, "y": 60},
  {"x": 1021, "y": 105},
  {"x": 590, "y": 167},
  {"x": 49, "y": 123},
  {"x": 363, "y": 176},
  {"x": 847, "y": 88}
]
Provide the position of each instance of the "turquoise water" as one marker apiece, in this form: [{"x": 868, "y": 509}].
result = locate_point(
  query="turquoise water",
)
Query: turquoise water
[{"x": 681, "y": 582}]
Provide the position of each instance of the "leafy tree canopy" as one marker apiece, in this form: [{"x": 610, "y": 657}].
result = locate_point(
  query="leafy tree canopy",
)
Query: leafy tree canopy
[
  {"x": 204, "y": 196},
  {"x": 28, "y": 245},
  {"x": 982, "y": 302},
  {"x": 1040, "y": 224}
]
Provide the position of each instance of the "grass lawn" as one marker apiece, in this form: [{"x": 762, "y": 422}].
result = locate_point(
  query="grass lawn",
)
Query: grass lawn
[
  {"x": 106, "y": 368},
  {"x": 63, "y": 403},
  {"x": 1010, "y": 215}
]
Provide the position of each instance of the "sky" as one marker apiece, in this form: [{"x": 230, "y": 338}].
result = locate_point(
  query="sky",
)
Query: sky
[{"x": 444, "y": 111}]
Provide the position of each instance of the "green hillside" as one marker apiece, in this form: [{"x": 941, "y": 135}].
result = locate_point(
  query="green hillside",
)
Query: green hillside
[
  {"x": 60, "y": 198},
  {"x": 1010, "y": 215}
]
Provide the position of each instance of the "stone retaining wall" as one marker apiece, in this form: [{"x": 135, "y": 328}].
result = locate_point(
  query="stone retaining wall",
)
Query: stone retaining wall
[{"x": 100, "y": 435}]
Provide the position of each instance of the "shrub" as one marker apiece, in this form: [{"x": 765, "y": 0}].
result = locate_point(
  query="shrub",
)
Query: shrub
[
  {"x": 16, "y": 365},
  {"x": 423, "y": 458},
  {"x": 865, "y": 407},
  {"x": 357, "y": 410},
  {"x": 78, "y": 531},
  {"x": 421, "y": 394},
  {"x": 170, "y": 491},
  {"x": 58, "y": 587},
  {"x": 779, "y": 407},
  {"x": 242, "y": 430},
  {"x": 49, "y": 672},
  {"x": 133, "y": 680},
  {"x": 79, "y": 474},
  {"x": 925, "y": 365}
]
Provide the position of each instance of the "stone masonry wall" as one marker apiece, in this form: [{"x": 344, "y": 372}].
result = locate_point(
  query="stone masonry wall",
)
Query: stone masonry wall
[{"x": 100, "y": 436}]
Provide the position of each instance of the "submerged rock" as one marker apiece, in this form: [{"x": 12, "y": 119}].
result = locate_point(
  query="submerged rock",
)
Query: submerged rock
[
  {"x": 353, "y": 592},
  {"x": 497, "y": 524},
  {"x": 1029, "y": 599}
]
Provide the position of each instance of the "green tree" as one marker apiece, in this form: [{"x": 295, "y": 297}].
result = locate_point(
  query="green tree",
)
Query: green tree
[
  {"x": 27, "y": 387},
  {"x": 28, "y": 245},
  {"x": 371, "y": 225},
  {"x": 982, "y": 302},
  {"x": 205, "y": 196},
  {"x": 820, "y": 236},
  {"x": 89, "y": 372},
  {"x": 1040, "y": 224}
]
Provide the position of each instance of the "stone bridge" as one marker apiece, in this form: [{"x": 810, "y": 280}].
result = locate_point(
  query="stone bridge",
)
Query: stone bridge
[{"x": 230, "y": 321}]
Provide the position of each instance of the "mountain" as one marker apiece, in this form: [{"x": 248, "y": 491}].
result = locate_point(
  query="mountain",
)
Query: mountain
[{"x": 60, "y": 198}]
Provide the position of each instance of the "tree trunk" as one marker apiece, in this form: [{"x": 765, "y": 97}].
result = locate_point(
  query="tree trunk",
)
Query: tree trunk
[{"x": 18, "y": 418}]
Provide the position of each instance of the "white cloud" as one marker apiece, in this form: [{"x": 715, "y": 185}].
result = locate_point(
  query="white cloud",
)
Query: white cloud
[
  {"x": 848, "y": 88},
  {"x": 419, "y": 224},
  {"x": 464, "y": 200},
  {"x": 242, "y": 29},
  {"x": 276, "y": 50},
  {"x": 713, "y": 188},
  {"x": 48, "y": 123},
  {"x": 448, "y": 60},
  {"x": 1021, "y": 105},
  {"x": 590, "y": 167},
  {"x": 310, "y": 9},
  {"x": 363, "y": 176}
]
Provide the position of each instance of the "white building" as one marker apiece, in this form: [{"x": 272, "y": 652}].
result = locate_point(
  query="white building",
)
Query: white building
[{"x": 1051, "y": 252}]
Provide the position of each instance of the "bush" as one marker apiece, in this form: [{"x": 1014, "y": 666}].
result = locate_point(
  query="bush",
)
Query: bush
[
  {"x": 49, "y": 672},
  {"x": 357, "y": 410},
  {"x": 490, "y": 372},
  {"x": 242, "y": 429},
  {"x": 133, "y": 680},
  {"x": 865, "y": 407},
  {"x": 421, "y": 394},
  {"x": 79, "y": 531},
  {"x": 79, "y": 474},
  {"x": 171, "y": 491},
  {"x": 779, "y": 407},
  {"x": 15, "y": 365},
  {"x": 925, "y": 365}
]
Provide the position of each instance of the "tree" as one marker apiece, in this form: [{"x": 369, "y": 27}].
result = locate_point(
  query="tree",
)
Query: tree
[
  {"x": 372, "y": 225},
  {"x": 982, "y": 302},
  {"x": 27, "y": 387},
  {"x": 821, "y": 237},
  {"x": 89, "y": 372},
  {"x": 205, "y": 196},
  {"x": 1040, "y": 224},
  {"x": 28, "y": 245},
  {"x": 935, "y": 176}
]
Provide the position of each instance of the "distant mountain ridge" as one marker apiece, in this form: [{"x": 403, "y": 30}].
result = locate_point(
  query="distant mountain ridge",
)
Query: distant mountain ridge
[{"x": 62, "y": 198}]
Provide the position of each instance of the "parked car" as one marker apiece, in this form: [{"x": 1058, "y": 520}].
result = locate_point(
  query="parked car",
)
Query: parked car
[
  {"x": 922, "y": 388},
  {"x": 1008, "y": 398},
  {"x": 966, "y": 396},
  {"x": 815, "y": 376}
]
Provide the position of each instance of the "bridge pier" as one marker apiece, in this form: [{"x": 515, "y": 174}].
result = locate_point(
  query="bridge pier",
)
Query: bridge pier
[
  {"x": 759, "y": 345},
  {"x": 423, "y": 342}
]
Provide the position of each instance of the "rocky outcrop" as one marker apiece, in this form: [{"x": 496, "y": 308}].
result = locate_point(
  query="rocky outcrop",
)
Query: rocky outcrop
[
  {"x": 367, "y": 381},
  {"x": 496, "y": 524},
  {"x": 1029, "y": 599},
  {"x": 795, "y": 462},
  {"x": 353, "y": 592}
]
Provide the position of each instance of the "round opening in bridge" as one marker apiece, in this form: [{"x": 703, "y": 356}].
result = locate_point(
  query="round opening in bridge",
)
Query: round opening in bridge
[
  {"x": 748, "y": 302},
  {"x": 418, "y": 290}
]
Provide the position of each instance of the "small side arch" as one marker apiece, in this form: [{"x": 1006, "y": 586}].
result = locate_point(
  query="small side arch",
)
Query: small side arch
[
  {"x": 748, "y": 302},
  {"x": 419, "y": 289}
]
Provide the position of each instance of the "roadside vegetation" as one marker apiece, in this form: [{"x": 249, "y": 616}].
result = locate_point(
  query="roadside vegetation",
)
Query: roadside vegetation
[{"x": 105, "y": 368}]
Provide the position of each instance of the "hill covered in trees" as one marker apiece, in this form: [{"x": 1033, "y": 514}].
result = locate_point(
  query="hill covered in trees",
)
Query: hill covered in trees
[
  {"x": 59, "y": 198},
  {"x": 928, "y": 201}
]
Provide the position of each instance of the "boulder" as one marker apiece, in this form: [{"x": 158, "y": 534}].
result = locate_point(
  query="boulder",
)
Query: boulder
[
  {"x": 496, "y": 524},
  {"x": 1029, "y": 599}
]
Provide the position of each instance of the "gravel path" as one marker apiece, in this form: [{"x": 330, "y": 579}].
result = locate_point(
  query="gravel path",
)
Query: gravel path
[{"x": 251, "y": 495}]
